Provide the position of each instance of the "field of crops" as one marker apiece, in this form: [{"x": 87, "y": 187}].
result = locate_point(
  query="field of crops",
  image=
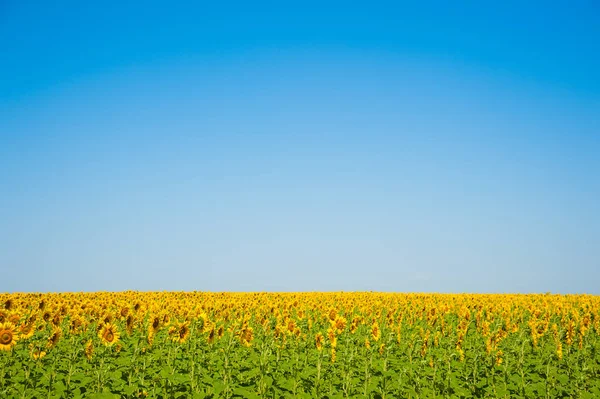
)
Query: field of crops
[{"x": 306, "y": 345}]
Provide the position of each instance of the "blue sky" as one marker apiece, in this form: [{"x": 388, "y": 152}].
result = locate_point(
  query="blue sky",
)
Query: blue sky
[{"x": 251, "y": 146}]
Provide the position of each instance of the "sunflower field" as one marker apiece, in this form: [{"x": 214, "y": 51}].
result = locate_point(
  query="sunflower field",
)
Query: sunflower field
[{"x": 298, "y": 345}]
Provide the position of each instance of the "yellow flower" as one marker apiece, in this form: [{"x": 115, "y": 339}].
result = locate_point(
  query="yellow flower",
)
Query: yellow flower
[
  {"x": 180, "y": 333},
  {"x": 319, "y": 341},
  {"x": 89, "y": 349},
  {"x": 27, "y": 330},
  {"x": 332, "y": 337},
  {"x": 499, "y": 358},
  {"x": 246, "y": 336},
  {"x": 8, "y": 336},
  {"x": 211, "y": 336},
  {"x": 38, "y": 354},
  {"x": 109, "y": 334},
  {"x": 54, "y": 337},
  {"x": 375, "y": 332},
  {"x": 339, "y": 323}
]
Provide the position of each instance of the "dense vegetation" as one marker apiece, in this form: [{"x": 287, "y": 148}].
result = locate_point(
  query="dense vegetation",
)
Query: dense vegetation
[{"x": 288, "y": 345}]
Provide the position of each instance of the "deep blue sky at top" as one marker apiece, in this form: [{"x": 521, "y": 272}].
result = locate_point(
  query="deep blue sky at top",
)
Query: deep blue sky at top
[{"x": 438, "y": 146}]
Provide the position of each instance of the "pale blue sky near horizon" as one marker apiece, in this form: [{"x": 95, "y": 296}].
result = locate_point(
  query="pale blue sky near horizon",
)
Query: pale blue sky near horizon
[{"x": 267, "y": 147}]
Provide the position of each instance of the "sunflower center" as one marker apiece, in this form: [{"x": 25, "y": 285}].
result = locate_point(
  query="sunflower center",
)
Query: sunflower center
[
  {"x": 6, "y": 337},
  {"x": 109, "y": 336}
]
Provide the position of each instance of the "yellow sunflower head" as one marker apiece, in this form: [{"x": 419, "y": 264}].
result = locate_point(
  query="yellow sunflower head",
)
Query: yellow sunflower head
[
  {"x": 180, "y": 332},
  {"x": 319, "y": 339},
  {"x": 8, "y": 336},
  {"x": 211, "y": 336},
  {"x": 184, "y": 332},
  {"x": 27, "y": 330},
  {"x": 38, "y": 354},
  {"x": 375, "y": 331},
  {"x": 14, "y": 318},
  {"x": 54, "y": 337},
  {"x": 246, "y": 336},
  {"x": 109, "y": 334},
  {"x": 89, "y": 349}
]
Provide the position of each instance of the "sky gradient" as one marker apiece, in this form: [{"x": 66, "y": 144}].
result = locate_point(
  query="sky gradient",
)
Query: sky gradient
[{"x": 438, "y": 148}]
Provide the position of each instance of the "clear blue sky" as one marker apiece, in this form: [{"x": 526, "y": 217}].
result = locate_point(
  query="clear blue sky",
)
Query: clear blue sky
[{"x": 448, "y": 146}]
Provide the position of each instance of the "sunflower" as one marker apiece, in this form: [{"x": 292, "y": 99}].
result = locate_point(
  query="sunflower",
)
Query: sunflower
[
  {"x": 27, "y": 330},
  {"x": 375, "y": 332},
  {"x": 108, "y": 318},
  {"x": 14, "y": 318},
  {"x": 109, "y": 334},
  {"x": 155, "y": 324},
  {"x": 129, "y": 324},
  {"x": 246, "y": 336},
  {"x": 150, "y": 337},
  {"x": 76, "y": 325},
  {"x": 319, "y": 341},
  {"x": 38, "y": 354},
  {"x": 211, "y": 336},
  {"x": 3, "y": 316},
  {"x": 180, "y": 332},
  {"x": 339, "y": 323},
  {"x": 57, "y": 319},
  {"x": 89, "y": 349},
  {"x": 332, "y": 337},
  {"x": 54, "y": 337},
  {"x": 46, "y": 316},
  {"x": 184, "y": 332},
  {"x": 8, "y": 336}
]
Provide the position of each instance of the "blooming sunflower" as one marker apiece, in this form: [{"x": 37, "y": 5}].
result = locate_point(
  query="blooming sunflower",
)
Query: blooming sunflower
[
  {"x": 332, "y": 338},
  {"x": 38, "y": 354},
  {"x": 89, "y": 349},
  {"x": 14, "y": 318},
  {"x": 211, "y": 336},
  {"x": 339, "y": 323},
  {"x": 129, "y": 324},
  {"x": 8, "y": 336},
  {"x": 319, "y": 339},
  {"x": 180, "y": 333},
  {"x": 109, "y": 334},
  {"x": 155, "y": 325},
  {"x": 375, "y": 331},
  {"x": 54, "y": 337},
  {"x": 246, "y": 336},
  {"x": 27, "y": 330}
]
